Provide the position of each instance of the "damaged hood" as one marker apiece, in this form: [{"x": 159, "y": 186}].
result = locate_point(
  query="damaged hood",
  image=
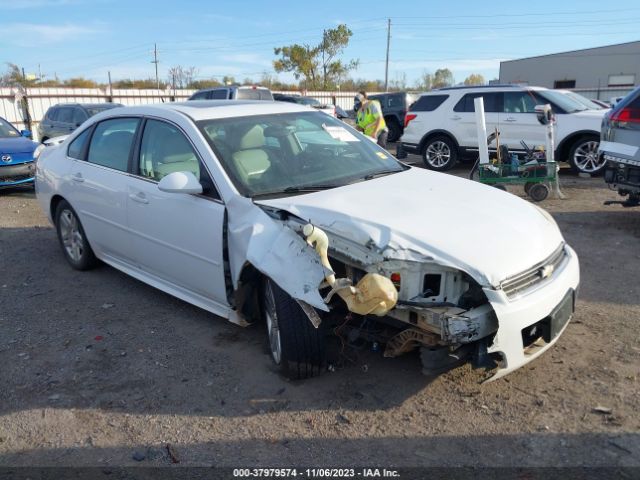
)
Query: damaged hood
[{"x": 422, "y": 215}]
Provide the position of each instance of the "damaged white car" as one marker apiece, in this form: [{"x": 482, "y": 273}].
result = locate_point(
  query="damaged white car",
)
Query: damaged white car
[{"x": 268, "y": 211}]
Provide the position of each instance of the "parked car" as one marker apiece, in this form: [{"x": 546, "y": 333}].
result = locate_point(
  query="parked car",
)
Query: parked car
[
  {"x": 233, "y": 92},
  {"x": 311, "y": 102},
  {"x": 16, "y": 156},
  {"x": 441, "y": 125},
  {"x": 265, "y": 210},
  {"x": 620, "y": 147},
  {"x": 587, "y": 102},
  {"x": 64, "y": 118},
  {"x": 394, "y": 108}
]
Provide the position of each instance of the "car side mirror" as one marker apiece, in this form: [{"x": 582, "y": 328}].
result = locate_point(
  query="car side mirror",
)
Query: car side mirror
[
  {"x": 180, "y": 182},
  {"x": 26, "y": 133}
]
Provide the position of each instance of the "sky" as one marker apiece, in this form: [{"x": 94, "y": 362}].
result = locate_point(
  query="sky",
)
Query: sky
[{"x": 89, "y": 38}]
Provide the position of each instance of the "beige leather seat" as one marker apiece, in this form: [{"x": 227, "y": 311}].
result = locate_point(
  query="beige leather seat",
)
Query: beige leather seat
[
  {"x": 251, "y": 159},
  {"x": 176, "y": 156}
]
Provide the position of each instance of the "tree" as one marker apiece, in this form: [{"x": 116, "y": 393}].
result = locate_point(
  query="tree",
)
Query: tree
[
  {"x": 399, "y": 83},
  {"x": 133, "y": 83},
  {"x": 13, "y": 77},
  {"x": 80, "y": 82},
  {"x": 180, "y": 76},
  {"x": 317, "y": 65},
  {"x": 200, "y": 84},
  {"x": 474, "y": 79},
  {"x": 443, "y": 78},
  {"x": 228, "y": 80},
  {"x": 424, "y": 82}
]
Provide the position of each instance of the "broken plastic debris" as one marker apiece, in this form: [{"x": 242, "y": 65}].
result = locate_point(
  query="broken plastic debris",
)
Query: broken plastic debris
[{"x": 340, "y": 133}]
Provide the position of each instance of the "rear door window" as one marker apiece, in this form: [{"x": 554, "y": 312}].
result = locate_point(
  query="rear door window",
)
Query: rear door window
[
  {"x": 492, "y": 102},
  {"x": 199, "y": 96},
  {"x": 79, "y": 116},
  {"x": 111, "y": 143},
  {"x": 53, "y": 113},
  {"x": 77, "y": 147},
  {"x": 428, "y": 103}
]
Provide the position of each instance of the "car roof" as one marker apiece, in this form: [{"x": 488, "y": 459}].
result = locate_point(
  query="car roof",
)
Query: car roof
[
  {"x": 210, "y": 109},
  {"x": 488, "y": 88},
  {"x": 87, "y": 105},
  {"x": 230, "y": 87}
]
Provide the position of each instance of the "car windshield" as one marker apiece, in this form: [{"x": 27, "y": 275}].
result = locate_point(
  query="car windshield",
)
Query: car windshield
[
  {"x": 7, "y": 130},
  {"x": 583, "y": 100},
  {"x": 96, "y": 109},
  {"x": 308, "y": 101},
  {"x": 565, "y": 102},
  {"x": 288, "y": 153}
]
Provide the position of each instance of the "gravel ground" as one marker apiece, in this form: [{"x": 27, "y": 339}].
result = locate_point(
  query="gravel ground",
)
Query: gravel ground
[{"x": 100, "y": 369}]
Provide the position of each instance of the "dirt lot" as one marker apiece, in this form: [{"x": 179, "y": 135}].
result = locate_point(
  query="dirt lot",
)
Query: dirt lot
[{"x": 100, "y": 369}]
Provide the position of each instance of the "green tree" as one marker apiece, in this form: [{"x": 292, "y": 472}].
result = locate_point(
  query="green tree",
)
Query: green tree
[
  {"x": 200, "y": 84},
  {"x": 134, "y": 83},
  {"x": 474, "y": 79},
  {"x": 424, "y": 82},
  {"x": 13, "y": 77},
  {"x": 443, "y": 78},
  {"x": 80, "y": 82},
  {"x": 317, "y": 65}
]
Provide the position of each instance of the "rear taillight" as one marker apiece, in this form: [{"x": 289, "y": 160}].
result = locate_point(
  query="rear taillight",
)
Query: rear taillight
[
  {"x": 625, "y": 115},
  {"x": 408, "y": 118}
]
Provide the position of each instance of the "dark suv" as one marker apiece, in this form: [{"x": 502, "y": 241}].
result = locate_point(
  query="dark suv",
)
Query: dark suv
[
  {"x": 64, "y": 118},
  {"x": 394, "y": 108},
  {"x": 620, "y": 145}
]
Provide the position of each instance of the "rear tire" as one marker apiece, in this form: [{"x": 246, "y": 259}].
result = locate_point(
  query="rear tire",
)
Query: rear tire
[
  {"x": 297, "y": 348},
  {"x": 395, "y": 130},
  {"x": 72, "y": 238},
  {"x": 439, "y": 153}
]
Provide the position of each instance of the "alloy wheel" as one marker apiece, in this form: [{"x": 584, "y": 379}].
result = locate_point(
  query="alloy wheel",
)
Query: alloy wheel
[
  {"x": 273, "y": 329},
  {"x": 586, "y": 157},
  {"x": 438, "y": 154},
  {"x": 71, "y": 236}
]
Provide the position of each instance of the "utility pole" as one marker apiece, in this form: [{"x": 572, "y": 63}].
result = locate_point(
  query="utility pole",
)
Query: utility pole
[
  {"x": 110, "y": 88},
  {"x": 386, "y": 64},
  {"x": 156, "y": 61}
]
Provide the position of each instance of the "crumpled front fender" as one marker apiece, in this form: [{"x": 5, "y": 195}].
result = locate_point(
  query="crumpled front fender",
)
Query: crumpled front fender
[{"x": 275, "y": 250}]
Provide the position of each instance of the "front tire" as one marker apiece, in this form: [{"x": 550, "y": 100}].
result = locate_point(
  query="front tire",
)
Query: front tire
[
  {"x": 583, "y": 156},
  {"x": 439, "y": 153},
  {"x": 297, "y": 348},
  {"x": 72, "y": 238}
]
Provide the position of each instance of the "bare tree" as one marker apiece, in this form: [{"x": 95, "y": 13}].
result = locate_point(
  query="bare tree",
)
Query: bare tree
[{"x": 182, "y": 77}]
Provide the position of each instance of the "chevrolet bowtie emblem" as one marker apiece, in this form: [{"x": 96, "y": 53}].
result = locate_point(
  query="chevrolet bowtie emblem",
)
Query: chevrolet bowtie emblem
[{"x": 546, "y": 271}]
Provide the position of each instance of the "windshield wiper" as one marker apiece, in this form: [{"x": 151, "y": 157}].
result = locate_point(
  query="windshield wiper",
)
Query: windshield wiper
[
  {"x": 298, "y": 189},
  {"x": 384, "y": 173}
]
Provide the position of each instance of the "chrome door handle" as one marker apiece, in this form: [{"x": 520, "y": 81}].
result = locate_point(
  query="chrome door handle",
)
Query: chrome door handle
[
  {"x": 509, "y": 119},
  {"x": 77, "y": 177},
  {"x": 138, "y": 197}
]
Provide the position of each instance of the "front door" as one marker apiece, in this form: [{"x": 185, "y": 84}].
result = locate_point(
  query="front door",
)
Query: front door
[
  {"x": 519, "y": 122},
  {"x": 178, "y": 238}
]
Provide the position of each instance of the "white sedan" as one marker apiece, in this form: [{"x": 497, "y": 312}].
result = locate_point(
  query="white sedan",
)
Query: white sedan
[{"x": 268, "y": 211}]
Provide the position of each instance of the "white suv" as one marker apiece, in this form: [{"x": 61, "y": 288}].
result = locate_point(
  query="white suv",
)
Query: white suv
[{"x": 441, "y": 125}]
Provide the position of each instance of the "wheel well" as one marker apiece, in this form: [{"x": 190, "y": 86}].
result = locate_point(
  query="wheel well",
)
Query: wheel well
[
  {"x": 562, "y": 152},
  {"x": 55, "y": 201},
  {"x": 246, "y": 298},
  {"x": 437, "y": 133},
  {"x": 391, "y": 119}
]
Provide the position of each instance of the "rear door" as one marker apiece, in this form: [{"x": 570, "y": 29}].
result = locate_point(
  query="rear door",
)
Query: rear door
[
  {"x": 518, "y": 120},
  {"x": 462, "y": 120},
  {"x": 64, "y": 122},
  {"x": 99, "y": 193}
]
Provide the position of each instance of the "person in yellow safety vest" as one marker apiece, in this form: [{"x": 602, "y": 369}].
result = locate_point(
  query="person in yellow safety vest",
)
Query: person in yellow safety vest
[{"x": 369, "y": 119}]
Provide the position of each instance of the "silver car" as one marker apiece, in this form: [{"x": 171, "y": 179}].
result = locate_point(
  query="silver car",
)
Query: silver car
[{"x": 620, "y": 146}]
